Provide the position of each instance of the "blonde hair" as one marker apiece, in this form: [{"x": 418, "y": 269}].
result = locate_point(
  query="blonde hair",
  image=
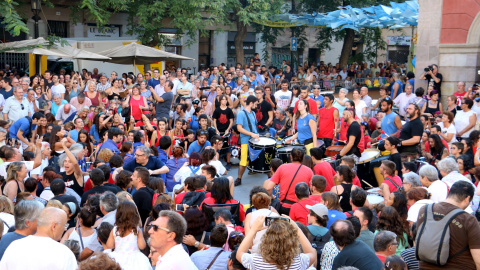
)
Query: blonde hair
[
  {"x": 279, "y": 244},
  {"x": 165, "y": 198},
  {"x": 6, "y": 205},
  {"x": 105, "y": 154},
  {"x": 13, "y": 168},
  {"x": 54, "y": 203}
]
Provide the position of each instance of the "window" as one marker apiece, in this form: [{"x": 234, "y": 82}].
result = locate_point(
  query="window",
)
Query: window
[{"x": 58, "y": 28}]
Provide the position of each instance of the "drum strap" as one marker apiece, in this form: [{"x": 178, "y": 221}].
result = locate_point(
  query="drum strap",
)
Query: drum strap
[
  {"x": 248, "y": 120},
  {"x": 286, "y": 194},
  {"x": 388, "y": 178}
]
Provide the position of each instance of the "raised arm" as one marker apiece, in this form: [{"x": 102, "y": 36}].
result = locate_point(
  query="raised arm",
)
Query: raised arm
[{"x": 76, "y": 167}]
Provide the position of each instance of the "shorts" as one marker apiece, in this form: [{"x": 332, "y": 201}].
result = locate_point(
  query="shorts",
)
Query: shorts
[
  {"x": 308, "y": 147},
  {"x": 244, "y": 155}
]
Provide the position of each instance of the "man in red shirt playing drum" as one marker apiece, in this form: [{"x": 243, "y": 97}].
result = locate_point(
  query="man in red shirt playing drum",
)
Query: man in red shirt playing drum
[{"x": 328, "y": 118}]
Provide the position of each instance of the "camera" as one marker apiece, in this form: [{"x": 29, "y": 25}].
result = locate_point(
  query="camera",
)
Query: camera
[
  {"x": 475, "y": 86},
  {"x": 429, "y": 68}
]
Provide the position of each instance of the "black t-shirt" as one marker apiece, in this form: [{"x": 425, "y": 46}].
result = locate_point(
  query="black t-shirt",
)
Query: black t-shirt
[
  {"x": 358, "y": 255},
  {"x": 436, "y": 86},
  {"x": 223, "y": 118},
  {"x": 143, "y": 199},
  {"x": 71, "y": 182},
  {"x": 410, "y": 129},
  {"x": 262, "y": 112},
  {"x": 277, "y": 125},
  {"x": 397, "y": 159},
  {"x": 96, "y": 190},
  {"x": 354, "y": 130}
]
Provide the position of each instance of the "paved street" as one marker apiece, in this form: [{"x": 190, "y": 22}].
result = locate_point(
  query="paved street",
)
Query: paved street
[{"x": 248, "y": 181}]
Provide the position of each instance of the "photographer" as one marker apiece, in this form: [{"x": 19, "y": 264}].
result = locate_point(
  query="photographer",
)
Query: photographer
[{"x": 433, "y": 77}]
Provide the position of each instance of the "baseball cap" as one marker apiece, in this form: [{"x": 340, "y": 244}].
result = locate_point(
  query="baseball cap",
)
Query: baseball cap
[{"x": 319, "y": 209}]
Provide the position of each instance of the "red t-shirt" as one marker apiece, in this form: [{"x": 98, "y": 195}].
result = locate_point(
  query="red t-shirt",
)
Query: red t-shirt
[
  {"x": 284, "y": 176},
  {"x": 348, "y": 214},
  {"x": 460, "y": 97},
  {"x": 395, "y": 179},
  {"x": 211, "y": 200},
  {"x": 299, "y": 211},
  {"x": 317, "y": 198},
  {"x": 356, "y": 182},
  {"x": 312, "y": 104},
  {"x": 325, "y": 169},
  {"x": 372, "y": 123},
  {"x": 326, "y": 123}
]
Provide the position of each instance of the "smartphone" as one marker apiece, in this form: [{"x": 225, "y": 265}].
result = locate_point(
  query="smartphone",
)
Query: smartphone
[
  {"x": 432, "y": 119},
  {"x": 269, "y": 220},
  {"x": 179, "y": 207}
]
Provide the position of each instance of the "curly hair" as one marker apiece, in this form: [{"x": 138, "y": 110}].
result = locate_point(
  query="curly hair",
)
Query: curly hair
[
  {"x": 124, "y": 178},
  {"x": 390, "y": 220},
  {"x": 279, "y": 244},
  {"x": 99, "y": 262},
  {"x": 127, "y": 218},
  {"x": 400, "y": 204},
  {"x": 197, "y": 222},
  {"x": 105, "y": 154}
]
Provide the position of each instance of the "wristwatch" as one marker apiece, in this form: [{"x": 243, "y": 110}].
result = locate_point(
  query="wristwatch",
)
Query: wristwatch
[{"x": 197, "y": 244}]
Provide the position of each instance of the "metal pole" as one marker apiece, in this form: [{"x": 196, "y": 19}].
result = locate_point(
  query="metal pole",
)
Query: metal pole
[
  {"x": 36, "y": 34},
  {"x": 292, "y": 11}
]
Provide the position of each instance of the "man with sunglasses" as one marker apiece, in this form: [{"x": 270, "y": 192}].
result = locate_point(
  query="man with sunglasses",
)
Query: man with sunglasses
[
  {"x": 166, "y": 237},
  {"x": 16, "y": 106}
]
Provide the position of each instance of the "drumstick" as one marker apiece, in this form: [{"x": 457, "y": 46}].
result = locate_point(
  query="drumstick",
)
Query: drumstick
[
  {"x": 366, "y": 183},
  {"x": 383, "y": 132}
]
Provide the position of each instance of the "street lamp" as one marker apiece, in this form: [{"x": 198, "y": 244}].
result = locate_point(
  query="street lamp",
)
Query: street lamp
[{"x": 36, "y": 8}]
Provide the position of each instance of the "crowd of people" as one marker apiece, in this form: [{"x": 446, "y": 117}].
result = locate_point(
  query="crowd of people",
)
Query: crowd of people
[{"x": 105, "y": 171}]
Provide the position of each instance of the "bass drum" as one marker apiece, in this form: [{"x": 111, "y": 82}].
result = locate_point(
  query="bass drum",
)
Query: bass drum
[
  {"x": 283, "y": 153},
  {"x": 235, "y": 157},
  {"x": 260, "y": 154}
]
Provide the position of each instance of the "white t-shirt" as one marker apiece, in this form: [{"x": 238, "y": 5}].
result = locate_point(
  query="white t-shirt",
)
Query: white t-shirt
[
  {"x": 43, "y": 253},
  {"x": 450, "y": 130},
  {"x": 462, "y": 120},
  {"x": 58, "y": 89},
  {"x": 439, "y": 191},
  {"x": 415, "y": 209},
  {"x": 3, "y": 167},
  {"x": 359, "y": 108},
  {"x": 283, "y": 99}
]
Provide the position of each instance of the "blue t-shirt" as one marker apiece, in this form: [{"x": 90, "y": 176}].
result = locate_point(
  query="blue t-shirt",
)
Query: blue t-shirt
[
  {"x": 400, "y": 89},
  {"x": 304, "y": 131},
  {"x": 152, "y": 82},
  {"x": 110, "y": 144},
  {"x": 7, "y": 239},
  {"x": 94, "y": 133},
  {"x": 242, "y": 120},
  {"x": 319, "y": 98},
  {"x": 55, "y": 107},
  {"x": 74, "y": 134},
  {"x": 388, "y": 124},
  {"x": 334, "y": 215},
  {"x": 194, "y": 124},
  {"x": 195, "y": 147},
  {"x": 23, "y": 124},
  {"x": 5, "y": 93},
  {"x": 152, "y": 164}
]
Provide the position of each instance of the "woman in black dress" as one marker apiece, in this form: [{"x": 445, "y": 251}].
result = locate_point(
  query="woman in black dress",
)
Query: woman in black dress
[{"x": 345, "y": 176}]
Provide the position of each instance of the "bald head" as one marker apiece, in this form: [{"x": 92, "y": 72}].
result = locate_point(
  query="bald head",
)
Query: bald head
[
  {"x": 66, "y": 108},
  {"x": 51, "y": 215}
]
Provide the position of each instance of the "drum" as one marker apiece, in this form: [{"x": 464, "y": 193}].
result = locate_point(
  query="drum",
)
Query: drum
[
  {"x": 321, "y": 145},
  {"x": 260, "y": 153},
  {"x": 333, "y": 150},
  {"x": 235, "y": 157},
  {"x": 374, "y": 199},
  {"x": 283, "y": 141},
  {"x": 369, "y": 171},
  {"x": 283, "y": 153},
  {"x": 368, "y": 155}
]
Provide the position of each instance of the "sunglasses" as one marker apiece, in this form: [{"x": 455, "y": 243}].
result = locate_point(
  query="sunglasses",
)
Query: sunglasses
[
  {"x": 204, "y": 100},
  {"x": 22, "y": 107},
  {"x": 155, "y": 228},
  {"x": 203, "y": 132}
]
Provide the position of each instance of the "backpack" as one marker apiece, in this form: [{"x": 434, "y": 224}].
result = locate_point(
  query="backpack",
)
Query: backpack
[
  {"x": 433, "y": 240},
  {"x": 318, "y": 242}
]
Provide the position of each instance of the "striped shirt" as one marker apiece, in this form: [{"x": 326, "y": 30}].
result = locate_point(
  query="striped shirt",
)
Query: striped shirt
[
  {"x": 255, "y": 261},
  {"x": 410, "y": 259}
]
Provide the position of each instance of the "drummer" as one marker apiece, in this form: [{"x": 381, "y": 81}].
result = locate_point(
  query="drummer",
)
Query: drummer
[
  {"x": 263, "y": 112},
  {"x": 354, "y": 135},
  {"x": 306, "y": 126},
  {"x": 391, "y": 122},
  {"x": 247, "y": 127}
]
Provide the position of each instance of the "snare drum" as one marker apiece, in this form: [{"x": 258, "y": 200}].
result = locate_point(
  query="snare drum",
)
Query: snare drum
[
  {"x": 260, "y": 153},
  {"x": 321, "y": 145},
  {"x": 374, "y": 199},
  {"x": 368, "y": 155},
  {"x": 333, "y": 150},
  {"x": 283, "y": 153}
]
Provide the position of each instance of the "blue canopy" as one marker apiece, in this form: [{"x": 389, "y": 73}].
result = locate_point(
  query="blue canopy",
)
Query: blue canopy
[{"x": 397, "y": 15}]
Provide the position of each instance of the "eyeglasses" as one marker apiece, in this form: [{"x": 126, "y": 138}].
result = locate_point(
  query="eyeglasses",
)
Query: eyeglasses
[
  {"x": 155, "y": 228},
  {"x": 65, "y": 225},
  {"x": 75, "y": 82},
  {"x": 394, "y": 243},
  {"x": 203, "y": 132},
  {"x": 204, "y": 100}
]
